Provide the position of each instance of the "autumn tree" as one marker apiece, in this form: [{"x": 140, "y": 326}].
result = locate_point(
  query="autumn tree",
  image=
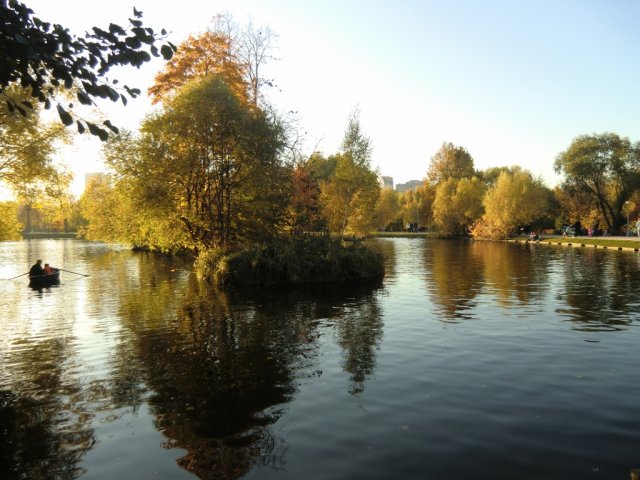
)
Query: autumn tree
[
  {"x": 516, "y": 199},
  {"x": 46, "y": 58},
  {"x": 349, "y": 198},
  {"x": 350, "y": 194},
  {"x": 207, "y": 55},
  {"x": 450, "y": 162},
  {"x": 10, "y": 227},
  {"x": 235, "y": 54},
  {"x": 417, "y": 205},
  {"x": 388, "y": 209},
  {"x": 457, "y": 204},
  {"x": 213, "y": 164},
  {"x": 607, "y": 168},
  {"x": 27, "y": 145},
  {"x": 305, "y": 213}
]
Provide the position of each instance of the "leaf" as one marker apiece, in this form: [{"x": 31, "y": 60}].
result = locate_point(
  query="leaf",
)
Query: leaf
[
  {"x": 111, "y": 127},
  {"x": 166, "y": 51},
  {"x": 10, "y": 106},
  {"x": 65, "y": 117},
  {"x": 81, "y": 128},
  {"x": 98, "y": 132},
  {"x": 83, "y": 98}
]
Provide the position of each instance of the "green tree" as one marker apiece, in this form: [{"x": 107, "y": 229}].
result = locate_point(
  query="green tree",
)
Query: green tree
[
  {"x": 349, "y": 197},
  {"x": 212, "y": 163},
  {"x": 10, "y": 227},
  {"x": 607, "y": 167},
  {"x": 515, "y": 199},
  {"x": 355, "y": 144},
  {"x": 450, "y": 162},
  {"x": 46, "y": 58}
]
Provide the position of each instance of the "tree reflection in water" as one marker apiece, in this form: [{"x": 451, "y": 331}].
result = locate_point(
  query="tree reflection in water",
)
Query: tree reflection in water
[
  {"x": 222, "y": 373},
  {"x": 43, "y": 427}
]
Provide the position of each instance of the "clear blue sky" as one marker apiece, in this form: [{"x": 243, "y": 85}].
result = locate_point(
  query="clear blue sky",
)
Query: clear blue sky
[{"x": 513, "y": 81}]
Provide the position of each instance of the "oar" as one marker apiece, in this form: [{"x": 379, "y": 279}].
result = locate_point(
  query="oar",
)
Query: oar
[
  {"x": 76, "y": 273},
  {"x": 18, "y": 276}
]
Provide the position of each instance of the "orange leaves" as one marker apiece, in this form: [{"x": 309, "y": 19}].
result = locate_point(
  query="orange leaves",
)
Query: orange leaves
[{"x": 198, "y": 57}]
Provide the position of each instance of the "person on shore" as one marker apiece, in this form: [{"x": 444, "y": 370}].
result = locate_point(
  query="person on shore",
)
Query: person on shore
[{"x": 36, "y": 269}]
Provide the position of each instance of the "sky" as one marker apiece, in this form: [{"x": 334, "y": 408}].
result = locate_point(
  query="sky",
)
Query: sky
[{"x": 512, "y": 81}]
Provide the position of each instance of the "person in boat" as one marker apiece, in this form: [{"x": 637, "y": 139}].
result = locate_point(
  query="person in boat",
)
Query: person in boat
[
  {"x": 48, "y": 269},
  {"x": 36, "y": 269}
]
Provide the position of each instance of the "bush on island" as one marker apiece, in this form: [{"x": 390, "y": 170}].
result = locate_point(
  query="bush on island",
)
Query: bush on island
[{"x": 293, "y": 261}]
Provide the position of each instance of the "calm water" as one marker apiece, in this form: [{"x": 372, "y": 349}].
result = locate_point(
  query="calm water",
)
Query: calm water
[{"x": 472, "y": 360}]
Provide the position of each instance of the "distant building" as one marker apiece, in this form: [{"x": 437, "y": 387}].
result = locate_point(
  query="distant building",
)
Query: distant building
[
  {"x": 410, "y": 185},
  {"x": 386, "y": 182}
]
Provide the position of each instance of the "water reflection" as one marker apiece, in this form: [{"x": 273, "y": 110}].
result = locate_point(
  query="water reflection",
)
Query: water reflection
[
  {"x": 221, "y": 367},
  {"x": 596, "y": 290},
  {"x": 216, "y": 373},
  {"x": 600, "y": 289},
  {"x": 44, "y": 429}
]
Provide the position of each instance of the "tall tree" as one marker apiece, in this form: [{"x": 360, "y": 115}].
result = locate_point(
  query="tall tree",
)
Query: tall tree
[
  {"x": 254, "y": 51},
  {"x": 215, "y": 163},
  {"x": 607, "y": 167},
  {"x": 45, "y": 58},
  {"x": 450, "y": 162},
  {"x": 355, "y": 144}
]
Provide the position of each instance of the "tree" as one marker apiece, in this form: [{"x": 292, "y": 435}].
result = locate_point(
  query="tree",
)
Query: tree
[
  {"x": 355, "y": 144},
  {"x": 209, "y": 54},
  {"x": 450, "y": 162},
  {"x": 388, "y": 209},
  {"x": 254, "y": 51},
  {"x": 349, "y": 197},
  {"x": 457, "y": 204},
  {"x": 417, "y": 205},
  {"x": 10, "y": 227},
  {"x": 27, "y": 145},
  {"x": 212, "y": 163},
  {"x": 515, "y": 199},
  {"x": 304, "y": 206},
  {"x": 46, "y": 58},
  {"x": 607, "y": 167},
  {"x": 235, "y": 54}
]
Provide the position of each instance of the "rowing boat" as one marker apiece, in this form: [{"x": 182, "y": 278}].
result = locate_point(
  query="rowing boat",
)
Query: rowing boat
[{"x": 40, "y": 281}]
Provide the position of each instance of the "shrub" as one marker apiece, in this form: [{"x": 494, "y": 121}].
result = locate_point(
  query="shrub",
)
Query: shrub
[{"x": 299, "y": 260}]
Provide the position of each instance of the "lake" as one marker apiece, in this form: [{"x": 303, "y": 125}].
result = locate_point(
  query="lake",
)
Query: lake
[{"x": 483, "y": 360}]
